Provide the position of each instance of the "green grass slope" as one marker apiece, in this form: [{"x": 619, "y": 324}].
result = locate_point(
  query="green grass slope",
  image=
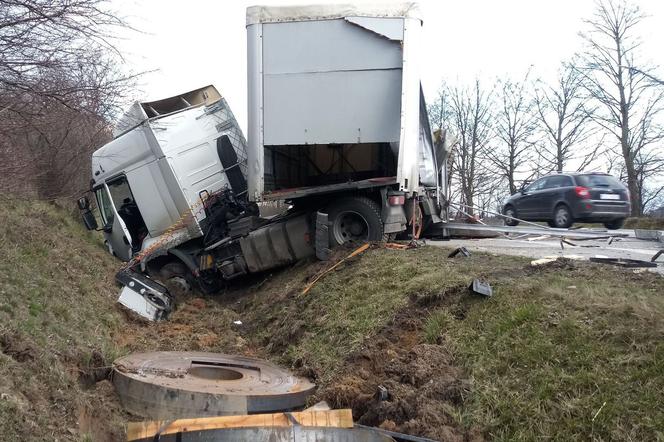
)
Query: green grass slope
[
  {"x": 566, "y": 351},
  {"x": 57, "y": 319}
]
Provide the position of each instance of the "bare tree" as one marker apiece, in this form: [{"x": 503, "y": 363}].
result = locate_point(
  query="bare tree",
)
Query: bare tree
[
  {"x": 515, "y": 127},
  {"x": 565, "y": 118},
  {"x": 629, "y": 101},
  {"x": 439, "y": 110},
  {"x": 60, "y": 86},
  {"x": 43, "y": 39},
  {"x": 470, "y": 119}
]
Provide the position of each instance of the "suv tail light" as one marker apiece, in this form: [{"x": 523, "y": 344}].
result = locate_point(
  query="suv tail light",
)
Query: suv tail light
[{"x": 582, "y": 192}]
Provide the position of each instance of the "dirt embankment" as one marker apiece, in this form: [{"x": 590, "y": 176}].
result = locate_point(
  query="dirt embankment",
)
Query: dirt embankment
[
  {"x": 390, "y": 377},
  {"x": 400, "y": 383}
]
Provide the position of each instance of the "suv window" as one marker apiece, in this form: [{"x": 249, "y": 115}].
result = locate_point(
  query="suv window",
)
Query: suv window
[
  {"x": 598, "y": 181},
  {"x": 537, "y": 185},
  {"x": 556, "y": 181}
]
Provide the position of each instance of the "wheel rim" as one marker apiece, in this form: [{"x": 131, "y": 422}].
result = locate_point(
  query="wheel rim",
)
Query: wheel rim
[
  {"x": 350, "y": 227},
  {"x": 562, "y": 217},
  {"x": 510, "y": 212},
  {"x": 179, "y": 285}
]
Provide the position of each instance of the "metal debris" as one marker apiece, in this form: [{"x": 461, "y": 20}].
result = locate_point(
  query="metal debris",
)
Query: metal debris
[
  {"x": 171, "y": 385},
  {"x": 382, "y": 394},
  {"x": 481, "y": 288},
  {"x": 649, "y": 235},
  {"x": 320, "y": 425},
  {"x": 460, "y": 251},
  {"x": 624, "y": 262},
  {"x": 401, "y": 437}
]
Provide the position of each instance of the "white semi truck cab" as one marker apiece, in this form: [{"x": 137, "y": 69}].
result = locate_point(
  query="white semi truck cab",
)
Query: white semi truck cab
[{"x": 338, "y": 133}]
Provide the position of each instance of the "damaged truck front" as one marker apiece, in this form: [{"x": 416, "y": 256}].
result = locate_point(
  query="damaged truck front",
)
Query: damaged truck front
[{"x": 338, "y": 133}]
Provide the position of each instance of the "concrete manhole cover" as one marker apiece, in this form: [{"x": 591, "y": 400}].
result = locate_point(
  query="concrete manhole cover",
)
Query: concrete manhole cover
[{"x": 168, "y": 385}]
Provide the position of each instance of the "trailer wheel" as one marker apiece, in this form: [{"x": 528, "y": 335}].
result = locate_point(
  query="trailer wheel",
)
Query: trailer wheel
[{"x": 355, "y": 219}]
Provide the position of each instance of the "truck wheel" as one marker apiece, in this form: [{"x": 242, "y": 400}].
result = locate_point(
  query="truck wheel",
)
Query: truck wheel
[
  {"x": 210, "y": 284},
  {"x": 355, "y": 219},
  {"x": 175, "y": 276}
]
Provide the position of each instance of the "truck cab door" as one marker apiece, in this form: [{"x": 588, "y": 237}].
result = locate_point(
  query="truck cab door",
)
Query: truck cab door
[{"x": 116, "y": 233}]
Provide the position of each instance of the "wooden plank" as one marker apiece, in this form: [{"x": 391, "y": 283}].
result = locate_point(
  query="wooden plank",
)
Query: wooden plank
[{"x": 317, "y": 418}]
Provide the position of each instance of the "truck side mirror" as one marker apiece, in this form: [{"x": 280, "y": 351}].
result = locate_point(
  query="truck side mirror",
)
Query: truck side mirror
[
  {"x": 83, "y": 203},
  {"x": 89, "y": 220}
]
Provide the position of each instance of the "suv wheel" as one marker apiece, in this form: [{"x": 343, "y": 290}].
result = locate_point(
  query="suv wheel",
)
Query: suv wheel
[
  {"x": 510, "y": 211},
  {"x": 562, "y": 217},
  {"x": 615, "y": 224}
]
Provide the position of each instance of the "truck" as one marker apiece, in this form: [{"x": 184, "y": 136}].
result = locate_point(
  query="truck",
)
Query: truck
[{"x": 338, "y": 139}]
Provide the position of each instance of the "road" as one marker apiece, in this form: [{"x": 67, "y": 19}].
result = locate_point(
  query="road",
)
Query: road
[{"x": 629, "y": 247}]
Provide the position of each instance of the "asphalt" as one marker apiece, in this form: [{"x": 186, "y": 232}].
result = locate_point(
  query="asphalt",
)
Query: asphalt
[{"x": 629, "y": 247}]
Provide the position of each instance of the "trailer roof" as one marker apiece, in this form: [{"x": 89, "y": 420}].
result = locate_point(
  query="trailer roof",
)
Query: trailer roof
[{"x": 272, "y": 14}]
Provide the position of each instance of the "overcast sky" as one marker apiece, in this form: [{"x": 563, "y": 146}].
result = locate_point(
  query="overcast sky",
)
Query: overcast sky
[{"x": 198, "y": 42}]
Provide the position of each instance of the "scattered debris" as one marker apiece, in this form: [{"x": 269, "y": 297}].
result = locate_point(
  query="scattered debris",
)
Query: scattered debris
[
  {"x": 539, "y": 262},
  {"x": 172, "y": 385},
  {"x": 649, "y": 235},
  {"x": 328, "y": 425},
  {"x": 460, "y": 251},
  {"x": 623, "y": 262},
  {"x": 143, "y": 295},
  {"x": 481, "y": 288},
  {"x": 382, "y": 394},
  {"x": 554, "y": 258},
  {"x": 398, "y": 436},
  {"x": 318, "y": 406},
  {"x": 355, "y": 252},
  {"x": 238, "y": 322}
]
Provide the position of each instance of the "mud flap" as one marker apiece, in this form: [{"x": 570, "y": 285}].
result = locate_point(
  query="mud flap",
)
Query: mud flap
[
  {"x": 322, "y": 237},
  {"x": 143, "y": 295}
]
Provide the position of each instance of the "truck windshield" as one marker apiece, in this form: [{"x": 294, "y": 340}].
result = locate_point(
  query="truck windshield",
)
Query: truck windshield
[{"x": 105, "y": 208}]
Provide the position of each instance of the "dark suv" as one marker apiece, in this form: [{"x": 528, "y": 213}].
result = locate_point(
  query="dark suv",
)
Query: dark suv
[{"x": 564, "y": 198}]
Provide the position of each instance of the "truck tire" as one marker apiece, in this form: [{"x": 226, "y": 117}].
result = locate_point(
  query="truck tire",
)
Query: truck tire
[
  {"x": 176, "y": 277},
  {"x": 354, "y": 219}
]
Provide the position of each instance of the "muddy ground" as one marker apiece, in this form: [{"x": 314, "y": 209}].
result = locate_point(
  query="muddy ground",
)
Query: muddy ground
[{"x": 420, "y": 382}]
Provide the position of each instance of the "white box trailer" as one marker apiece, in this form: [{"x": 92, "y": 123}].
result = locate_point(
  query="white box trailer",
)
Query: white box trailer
[{"x": 335, "y": 98}]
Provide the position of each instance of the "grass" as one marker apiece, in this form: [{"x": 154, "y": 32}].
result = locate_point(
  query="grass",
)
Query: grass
[
  {"x": 56, "y": 311},
  {"x": 553, "y": 362},
  {"x": 572, "y": 352},
  {"x": 645, "y": 222},
  {"x": 563, "y": 352}
]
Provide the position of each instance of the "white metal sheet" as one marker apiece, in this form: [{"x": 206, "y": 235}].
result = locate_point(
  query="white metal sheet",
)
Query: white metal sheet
[
  {"x": 333, "y": 107},
  {"x": 391, "y": 28},
  {"x": 331, "y": 45},
  {"x": 273, "y": 14}
]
